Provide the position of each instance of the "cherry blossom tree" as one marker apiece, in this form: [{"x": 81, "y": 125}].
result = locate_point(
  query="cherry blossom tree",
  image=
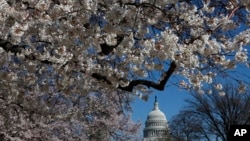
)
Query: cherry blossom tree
[
  {"x": 95, "y": 116},
  {"x": 59, "y": 49}
]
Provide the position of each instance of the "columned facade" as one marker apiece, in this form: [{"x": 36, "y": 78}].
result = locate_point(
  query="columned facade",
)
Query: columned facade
[{"x": 156, "y": 128}]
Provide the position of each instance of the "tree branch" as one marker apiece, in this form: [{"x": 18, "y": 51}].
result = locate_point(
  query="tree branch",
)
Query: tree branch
[
  {"x": 156, "y": 85},
  {"x": 7, "y": 46}
]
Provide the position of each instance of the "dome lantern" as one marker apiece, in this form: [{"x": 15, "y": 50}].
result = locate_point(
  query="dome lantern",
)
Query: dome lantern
[{"x": 156, "y": 107}]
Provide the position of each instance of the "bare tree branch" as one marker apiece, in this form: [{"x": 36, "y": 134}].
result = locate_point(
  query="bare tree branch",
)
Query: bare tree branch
[{"x": 156, "y": 85}]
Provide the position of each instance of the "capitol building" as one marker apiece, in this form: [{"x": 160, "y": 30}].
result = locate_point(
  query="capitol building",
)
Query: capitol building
[{"x": 156, "y": 127}]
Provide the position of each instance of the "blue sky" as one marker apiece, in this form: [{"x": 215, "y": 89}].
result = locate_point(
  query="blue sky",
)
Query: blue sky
[{"x": 171, "y": 101}]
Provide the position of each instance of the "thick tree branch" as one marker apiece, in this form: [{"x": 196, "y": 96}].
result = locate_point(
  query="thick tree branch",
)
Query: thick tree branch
[
  {"x": 156, "y": 85},
  {"x": 101, "y": 78}
]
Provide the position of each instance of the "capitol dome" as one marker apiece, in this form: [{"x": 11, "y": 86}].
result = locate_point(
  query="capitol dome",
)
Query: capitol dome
[
  {"x": 156, "y": 114},
  {"x": 156, "y": 124}
]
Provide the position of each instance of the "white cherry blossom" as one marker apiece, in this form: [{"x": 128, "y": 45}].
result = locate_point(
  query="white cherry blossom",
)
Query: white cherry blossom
[{"x": 56, "y": 51}]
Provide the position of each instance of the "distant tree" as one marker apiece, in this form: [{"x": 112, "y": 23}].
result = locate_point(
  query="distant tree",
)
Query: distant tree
[
  {"x": 187, "y": 127},
  {"x": 54, "y": 52},
  {"x": 210, "y": 115}
]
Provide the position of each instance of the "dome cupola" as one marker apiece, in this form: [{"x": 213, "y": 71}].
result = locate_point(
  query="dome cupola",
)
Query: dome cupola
[{"x": 156, "y": 113}]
